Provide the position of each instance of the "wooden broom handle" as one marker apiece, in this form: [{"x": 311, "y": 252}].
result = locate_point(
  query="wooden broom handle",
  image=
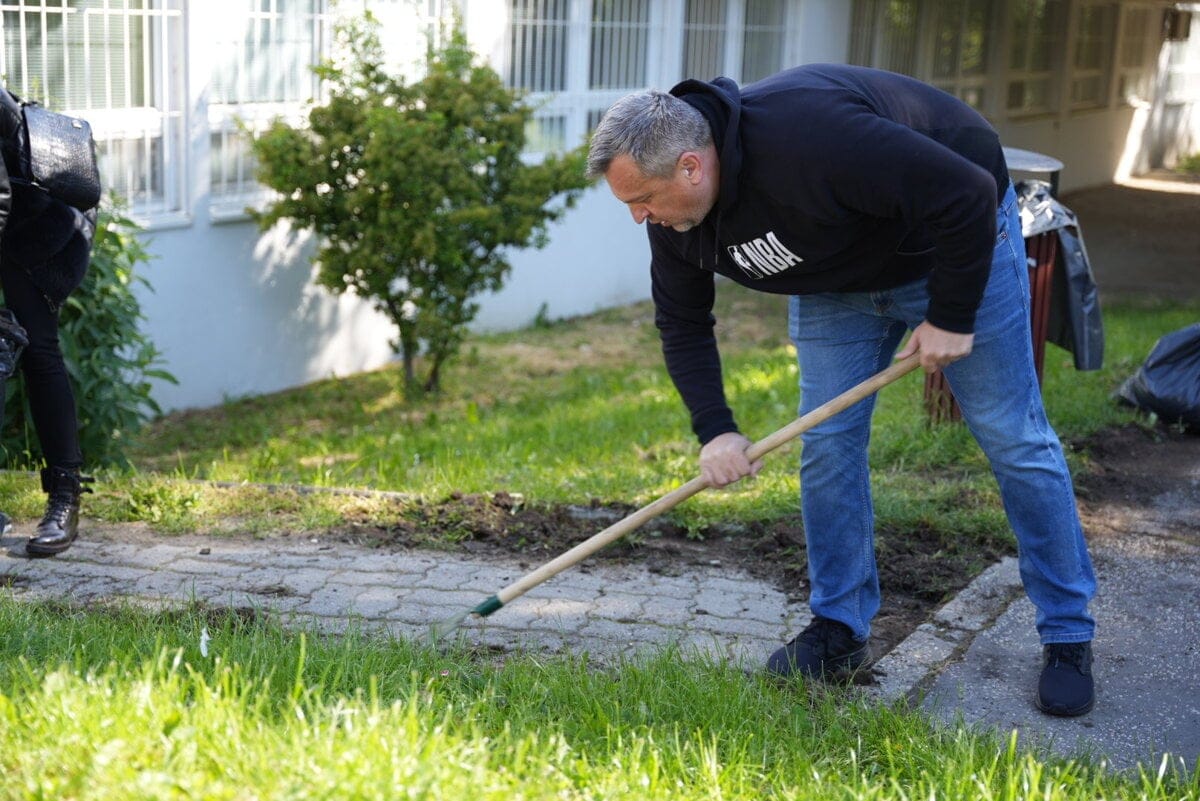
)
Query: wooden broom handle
[{"x": 682, "y": 493}]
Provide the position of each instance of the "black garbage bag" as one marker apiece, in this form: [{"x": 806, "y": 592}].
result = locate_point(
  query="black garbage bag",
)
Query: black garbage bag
[
  {"x": 1075, "y": 323},
  {"x": 1168, "y": 382}
]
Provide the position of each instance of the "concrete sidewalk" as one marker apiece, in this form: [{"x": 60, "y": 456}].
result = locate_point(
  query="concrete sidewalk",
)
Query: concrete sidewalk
[{"x": 1147, "y": 647}]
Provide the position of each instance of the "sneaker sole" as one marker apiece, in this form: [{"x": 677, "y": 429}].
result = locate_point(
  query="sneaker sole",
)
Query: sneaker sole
[
  {"x": 1059, "y": 712},
  {"x": 849, "y": 666}
]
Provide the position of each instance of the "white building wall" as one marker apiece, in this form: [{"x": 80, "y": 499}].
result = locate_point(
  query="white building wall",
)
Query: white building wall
[{"x": 597, "y": 258}]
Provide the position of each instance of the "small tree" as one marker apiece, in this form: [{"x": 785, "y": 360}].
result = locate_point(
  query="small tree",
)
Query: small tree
[{"x": 415, "y": 191}]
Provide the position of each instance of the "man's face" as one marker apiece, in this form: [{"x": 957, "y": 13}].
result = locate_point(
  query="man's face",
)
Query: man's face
[{"x": 680, "y": 201}]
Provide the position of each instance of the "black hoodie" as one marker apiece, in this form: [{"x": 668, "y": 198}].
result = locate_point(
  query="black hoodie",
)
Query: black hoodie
[{"x": 833, "y": 179}]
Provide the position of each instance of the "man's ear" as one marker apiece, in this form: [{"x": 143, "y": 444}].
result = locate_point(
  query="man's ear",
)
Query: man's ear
[{"x": 691, "y": 166}]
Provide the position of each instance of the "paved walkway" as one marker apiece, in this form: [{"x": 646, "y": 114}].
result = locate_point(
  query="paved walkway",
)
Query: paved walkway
[
  {"x": 609, "y": 612},
  {"x": 975, "y": 660},
  {"x": 605, "y": 610}
]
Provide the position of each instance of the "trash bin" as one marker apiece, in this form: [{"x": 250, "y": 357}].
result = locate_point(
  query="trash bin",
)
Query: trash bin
[
  {"x": 1064, "y": 307},
  {"x": 1041, "y": 251}
]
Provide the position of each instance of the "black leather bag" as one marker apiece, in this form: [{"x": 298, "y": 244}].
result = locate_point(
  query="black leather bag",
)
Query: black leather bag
[
  {"x": 62, "y": 156},
  {"x": 13, "y": 340}
]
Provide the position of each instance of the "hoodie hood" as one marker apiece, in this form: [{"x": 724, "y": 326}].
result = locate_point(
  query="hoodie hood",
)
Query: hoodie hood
[{"x": 721, "y": 104}]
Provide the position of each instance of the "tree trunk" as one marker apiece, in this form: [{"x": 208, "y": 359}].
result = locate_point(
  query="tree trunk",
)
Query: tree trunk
[
  {"x": 433, "y": 380},
  {"x": 409, "y": 346}
]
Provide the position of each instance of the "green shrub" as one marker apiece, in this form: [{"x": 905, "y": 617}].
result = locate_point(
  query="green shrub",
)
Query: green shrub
[
  {"x": 1190, "y": 163},
  {"x": 109, "y": 359},
  {"x": 418, "y": 192}
]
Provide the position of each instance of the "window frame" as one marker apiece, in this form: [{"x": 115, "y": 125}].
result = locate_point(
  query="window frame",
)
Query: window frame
[
  {"x": 154, "y": 134},
  {"x": 1104, "y": 72},
  {"x": 233, "y": 123},
  {"x": 573, "y": 111}
]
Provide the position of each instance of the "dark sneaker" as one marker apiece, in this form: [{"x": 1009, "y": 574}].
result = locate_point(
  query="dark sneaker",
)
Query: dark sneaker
[
  {"x": 1066, "y": 687},
  {"x": 826, "y": 649}
]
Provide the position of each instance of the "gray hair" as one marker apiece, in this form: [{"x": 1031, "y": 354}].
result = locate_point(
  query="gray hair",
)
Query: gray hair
[{"x": 653, "y": 128}]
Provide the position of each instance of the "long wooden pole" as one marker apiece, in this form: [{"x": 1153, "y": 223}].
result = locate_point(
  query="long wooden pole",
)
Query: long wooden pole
[{"x": 680, "y": 494}]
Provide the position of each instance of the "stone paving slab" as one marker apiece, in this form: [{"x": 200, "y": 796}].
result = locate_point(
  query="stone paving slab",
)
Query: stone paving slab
[{"x": 605, "y": 611}]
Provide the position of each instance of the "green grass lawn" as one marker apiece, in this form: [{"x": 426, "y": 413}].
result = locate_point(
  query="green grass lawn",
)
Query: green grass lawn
[
  {"x": 124, "y": 705},
  {"x": 578, "y": 410}
]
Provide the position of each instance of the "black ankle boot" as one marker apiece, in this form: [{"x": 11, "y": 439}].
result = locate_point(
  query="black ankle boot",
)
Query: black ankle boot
[{"x": 60, "y": 525}]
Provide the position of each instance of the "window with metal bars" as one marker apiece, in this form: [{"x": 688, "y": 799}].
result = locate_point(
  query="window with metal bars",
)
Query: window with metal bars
[
  {"x": 538, "y": 41},
  {"x": 762, "y": 39},
  {"x": 1037, "y": 41},
  {"x": 883, "y": 34},
  {"x": 120, "y": 65},
  {"x": 261, "y": 70},
  {"x": 1095, "y": 40},
  {"x": 577, "y": 58},
  {"x": 620, "y": 32},
  {"x": 705, "y": 26},
  {"x": 962, "y": 36},
  {"x": 1140, "y": 38},
  {"x": 736, "y": 38}
]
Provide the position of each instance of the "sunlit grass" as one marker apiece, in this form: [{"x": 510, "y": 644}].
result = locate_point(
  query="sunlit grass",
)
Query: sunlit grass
[
  {"x": 583, "y": 410},
  {"x": 124, "y": 704}
]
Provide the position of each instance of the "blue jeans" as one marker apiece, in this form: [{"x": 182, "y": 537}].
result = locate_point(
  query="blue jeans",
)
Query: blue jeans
[{"x": 844, "y": 338}]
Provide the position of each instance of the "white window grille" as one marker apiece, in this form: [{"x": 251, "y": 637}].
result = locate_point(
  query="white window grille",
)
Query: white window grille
[
  {"x": 704, "y": 29},
  {"x": 741, "y": 39},
  {"x": 762, "y": 39},
  {"x": 120, "y": 65},
  {"x": 1095, "y": 38},
  {"x": 961, "y": 40},
  {"x": 576, "y": 58},
  {"x": 1140, "y": 38},
  {"x": 620, "y": 39},
  {"x": 1037, "y": 40},
  {"x": 262, "y": 70},
  {"x": 538, "y": 41}
]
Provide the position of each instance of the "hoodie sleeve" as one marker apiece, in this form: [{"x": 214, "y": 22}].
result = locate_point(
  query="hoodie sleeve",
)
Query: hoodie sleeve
[
  {"x": 683, "y": 300},
  {"x": 860, "y": 161}
]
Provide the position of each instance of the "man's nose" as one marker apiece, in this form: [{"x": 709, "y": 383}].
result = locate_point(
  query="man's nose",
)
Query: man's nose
[{"x": 640, "y": 213}]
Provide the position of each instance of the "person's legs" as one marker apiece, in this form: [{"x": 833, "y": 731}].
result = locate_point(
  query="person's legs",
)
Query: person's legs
[
  {"x": 841, "y": 340},
  {"x": 1001, "y": 401},
  {"x": 51, "y": 400},
  {"x": 998, "y": 392},
  {"x": 52, "y": 406}
]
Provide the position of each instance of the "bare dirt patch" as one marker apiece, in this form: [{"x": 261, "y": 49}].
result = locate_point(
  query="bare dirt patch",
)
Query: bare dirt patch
[
  {"x": 919, "y": 569},
  {"x": 1131, "y": 471},
  {"x": 1137, "y": 479},
  {"x": 1142, "y": 480}
]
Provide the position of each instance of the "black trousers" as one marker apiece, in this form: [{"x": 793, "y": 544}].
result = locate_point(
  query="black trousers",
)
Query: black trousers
[{"x": 51, "y": 401}]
